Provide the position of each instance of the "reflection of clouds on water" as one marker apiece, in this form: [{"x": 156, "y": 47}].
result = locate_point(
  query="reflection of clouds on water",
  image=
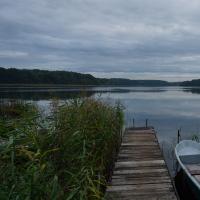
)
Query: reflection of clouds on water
[
  {"x": 168, "y": 152},
  {"x": 167, "y": 112},
  {"x": 167, "y": 108}
]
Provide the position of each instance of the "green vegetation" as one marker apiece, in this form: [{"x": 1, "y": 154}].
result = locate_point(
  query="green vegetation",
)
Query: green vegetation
[
  {"x": 195, "y": 137},
  {"x": 128, "y": 82},
  {"x": 24, "y": 76},
  {"x": 67, "y": 155},
  {"x": 193, "y": 83}
]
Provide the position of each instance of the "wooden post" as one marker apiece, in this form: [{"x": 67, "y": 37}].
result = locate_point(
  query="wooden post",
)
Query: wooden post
[
  {"x": 178, "y": 136},
  {"x": 146, "y": 123},
  {"x": 133, "y": 122}
]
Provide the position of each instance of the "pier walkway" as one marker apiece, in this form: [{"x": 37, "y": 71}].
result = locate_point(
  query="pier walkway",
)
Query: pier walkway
[{"x": 140, "y": 171}]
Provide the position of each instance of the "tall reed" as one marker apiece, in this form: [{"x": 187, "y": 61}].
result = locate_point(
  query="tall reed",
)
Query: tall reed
[{"x": 64, "y": 156}]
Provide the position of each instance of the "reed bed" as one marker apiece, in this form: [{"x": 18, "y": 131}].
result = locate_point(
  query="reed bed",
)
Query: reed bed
[{"x": 67, "y": 155}]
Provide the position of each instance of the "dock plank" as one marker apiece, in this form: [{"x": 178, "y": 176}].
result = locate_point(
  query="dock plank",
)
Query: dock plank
[{"x": 140, "y": 171}]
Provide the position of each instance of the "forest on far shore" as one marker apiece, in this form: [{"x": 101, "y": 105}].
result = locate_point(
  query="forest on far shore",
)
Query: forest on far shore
[{"x": 36, "y": 76}]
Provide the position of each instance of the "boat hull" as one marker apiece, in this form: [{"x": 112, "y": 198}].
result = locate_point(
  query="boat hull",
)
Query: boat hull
[
  {"x": 192, "y": 187},
  {"x": 188, "y": 157},
  {"x": 185, "y": 187}
]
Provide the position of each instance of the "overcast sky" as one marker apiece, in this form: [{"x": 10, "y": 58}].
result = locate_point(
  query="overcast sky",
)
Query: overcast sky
[{"x": 137, "y": 39}]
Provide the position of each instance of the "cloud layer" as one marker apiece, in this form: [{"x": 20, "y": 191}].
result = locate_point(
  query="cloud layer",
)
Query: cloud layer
[{"x": 135, "y": 39}]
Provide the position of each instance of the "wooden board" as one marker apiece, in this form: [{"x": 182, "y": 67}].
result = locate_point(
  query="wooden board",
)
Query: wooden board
[
  {"x": 140, "y": 171},
  {"x": 194, "y": 169},
  {"x": 197, "y": 177}
]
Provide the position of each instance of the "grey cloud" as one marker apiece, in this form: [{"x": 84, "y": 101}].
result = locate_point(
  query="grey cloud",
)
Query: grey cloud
[{"x": 133, "y": 37}]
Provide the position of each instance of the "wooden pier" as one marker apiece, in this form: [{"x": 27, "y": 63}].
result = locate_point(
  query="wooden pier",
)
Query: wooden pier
[{"x": 140, "y": 172}]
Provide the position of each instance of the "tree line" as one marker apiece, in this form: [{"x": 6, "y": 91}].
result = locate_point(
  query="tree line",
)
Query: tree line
[{"x": 36, "y": 76}]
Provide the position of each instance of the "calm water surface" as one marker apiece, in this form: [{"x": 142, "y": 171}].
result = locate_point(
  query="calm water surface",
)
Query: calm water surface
[{"x": 167, "y": 108}]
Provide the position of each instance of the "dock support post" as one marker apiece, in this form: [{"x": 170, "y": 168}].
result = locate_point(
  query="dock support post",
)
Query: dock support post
[
  {"x": 178, "y": 136},
  {"x": 146, "y": 123}
]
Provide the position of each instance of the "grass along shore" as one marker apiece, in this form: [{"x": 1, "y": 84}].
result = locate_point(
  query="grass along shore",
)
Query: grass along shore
[{"x": 67, "y": 155}]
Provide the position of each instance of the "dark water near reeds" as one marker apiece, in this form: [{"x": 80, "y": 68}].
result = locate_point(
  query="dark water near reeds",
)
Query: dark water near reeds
[{"x": 167, "y": 108}]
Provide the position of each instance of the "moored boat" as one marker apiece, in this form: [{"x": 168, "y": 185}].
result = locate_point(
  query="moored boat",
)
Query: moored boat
[{"x": 188, "y": 156}]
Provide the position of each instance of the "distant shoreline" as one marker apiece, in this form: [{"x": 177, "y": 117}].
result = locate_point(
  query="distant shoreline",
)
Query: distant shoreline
[
  {"x": 43, "y": 78},
  {"x": 71, "y": 86}
]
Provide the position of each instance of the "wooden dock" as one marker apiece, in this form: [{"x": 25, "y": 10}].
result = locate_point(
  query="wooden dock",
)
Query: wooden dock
[{"x": 140, "y": 172}]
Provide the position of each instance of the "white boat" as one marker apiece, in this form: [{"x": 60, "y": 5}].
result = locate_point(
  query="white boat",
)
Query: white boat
[{"x": 188, "y": 156}]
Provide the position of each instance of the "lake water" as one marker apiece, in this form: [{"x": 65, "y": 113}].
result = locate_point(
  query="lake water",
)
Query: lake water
[{"x": 166, "y": 108}]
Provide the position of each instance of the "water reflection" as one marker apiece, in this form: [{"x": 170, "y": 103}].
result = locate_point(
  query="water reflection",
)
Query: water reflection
[
  {"x": 194, "y": 90},
  {"x": 167, "y": 108},
  {"x": 45, "y": 93}
]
